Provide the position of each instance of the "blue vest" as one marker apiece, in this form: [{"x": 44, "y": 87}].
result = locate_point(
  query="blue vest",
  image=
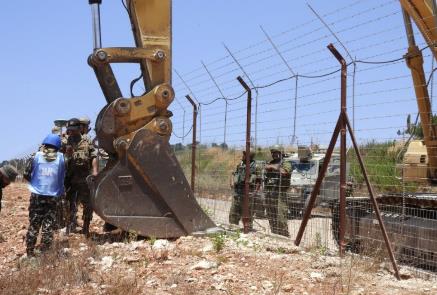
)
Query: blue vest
[{"x": 47, "y": 177}]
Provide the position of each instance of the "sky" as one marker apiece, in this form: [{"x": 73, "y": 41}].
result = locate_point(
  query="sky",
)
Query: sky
[{"x": 45, "y": 76}]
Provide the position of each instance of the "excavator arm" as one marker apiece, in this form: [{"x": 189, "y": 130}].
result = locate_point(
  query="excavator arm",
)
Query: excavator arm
[
  {"x": 142, "y": 188},
  {"x": 423, "y": 12}
]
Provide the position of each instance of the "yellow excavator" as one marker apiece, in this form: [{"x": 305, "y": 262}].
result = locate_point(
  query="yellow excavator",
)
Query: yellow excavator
[
  {"x": 142, "y": 188},
  {"x": 420, "y": 159}
]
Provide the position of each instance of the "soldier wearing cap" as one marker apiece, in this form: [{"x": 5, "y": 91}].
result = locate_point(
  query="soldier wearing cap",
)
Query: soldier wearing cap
[
  {"x": 236, "y": 211},
  {"x": 85, "y": 127},
  {"x": 277, "y": 181},
  {"x": 81, "y": 162},
  {"x": 8, "y": 174}
]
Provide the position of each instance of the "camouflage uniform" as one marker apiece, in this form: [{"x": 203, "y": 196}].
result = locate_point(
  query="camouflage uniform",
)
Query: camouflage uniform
[
  {"x": 42, "y": 214},
  {"x": 236, "y": 211},
  {"x": 276, "y": 185},
  {"x": 79, "y": 166}
]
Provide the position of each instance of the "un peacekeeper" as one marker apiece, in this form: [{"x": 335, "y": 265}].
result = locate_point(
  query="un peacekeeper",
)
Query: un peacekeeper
[
  {"x": 8, "y": 173},
  {"x": 277, "y": 181},
  {"x": 236, "y": 211},
  {"x": 81, "y": 162},
  {"x": 46, "y": 184}
]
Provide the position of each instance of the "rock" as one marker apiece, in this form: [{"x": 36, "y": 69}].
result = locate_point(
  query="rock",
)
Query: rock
[
  {"x": 131, "y": 259},
  {"x": 160, "y": 244},
  {"x": 405, "y": 274},
  {"x": 161, "y": 249},
  {"x": 152, "y": 283},
  {"x": 317, "y": 276},
  {"x": 42, "y": 291},
  {"x": 253, "y": 288},
  {"x": 204, "y": 264},
  {"x": 22, "y": 233},
  {"x": 219, "y": 287},
  {"x": 208, "y": 248},
  {"x": 288, "y": 288},
  {"x": 267, "y": 285},
  {"x": 106, "y": 262},
  {"x": 82, "y": 247},
  {"x": 191, "y": 280},
  {"x": 173, "y": 286},
  {"x": 359, "y": 291},
  {"x": 325, "y": 262},
  {"x": 91, "y": 261}
]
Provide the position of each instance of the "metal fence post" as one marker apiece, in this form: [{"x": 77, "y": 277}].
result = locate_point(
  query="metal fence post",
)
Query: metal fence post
[
  {"x": 193, "y": 145},
  {"x": 246, "y": 213}
]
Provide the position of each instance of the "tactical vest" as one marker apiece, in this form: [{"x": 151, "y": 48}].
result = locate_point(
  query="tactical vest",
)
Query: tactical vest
[
  {"x": 274, "y": 178},
  {"x": 79, "y": 163},
  {"x": 47, "y": 177},
  {"x": 240, "y": 174}
]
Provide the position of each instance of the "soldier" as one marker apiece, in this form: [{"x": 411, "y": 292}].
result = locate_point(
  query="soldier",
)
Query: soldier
[
  {"x": 236, "y": 211},
  {"x": 277, "y": 181},
  {"x": 85, "y": 127},
  {"x": 56, "y": 130},
  {"x": 47, "y": 173},
  {"x": 8, "y": 174},
  {"x": 81, "y": 162}
]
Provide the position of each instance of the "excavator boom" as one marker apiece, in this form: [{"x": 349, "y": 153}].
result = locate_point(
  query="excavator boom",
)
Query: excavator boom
[
  {"x": 142, "y": 188},
  {"x": 424, "y": 16}
]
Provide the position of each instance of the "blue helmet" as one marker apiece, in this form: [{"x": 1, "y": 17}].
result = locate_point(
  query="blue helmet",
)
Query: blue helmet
[{"x": 53, "y": 140}]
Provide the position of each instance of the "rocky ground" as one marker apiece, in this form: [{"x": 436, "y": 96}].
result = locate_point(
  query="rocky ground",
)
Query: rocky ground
[{"x": 223, "y": 264}]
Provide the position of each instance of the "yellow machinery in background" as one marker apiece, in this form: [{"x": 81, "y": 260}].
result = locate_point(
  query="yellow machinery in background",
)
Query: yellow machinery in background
[{"x": 420, "y": 160}]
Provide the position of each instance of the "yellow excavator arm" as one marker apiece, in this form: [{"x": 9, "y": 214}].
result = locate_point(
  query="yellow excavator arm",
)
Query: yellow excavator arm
[
  {"x": 424, "y": 16},
  {"x": 143, "y": 188}
]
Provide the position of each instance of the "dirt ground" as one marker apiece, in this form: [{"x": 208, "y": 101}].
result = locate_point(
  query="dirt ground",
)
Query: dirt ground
[{"x": 223, "y": 264}]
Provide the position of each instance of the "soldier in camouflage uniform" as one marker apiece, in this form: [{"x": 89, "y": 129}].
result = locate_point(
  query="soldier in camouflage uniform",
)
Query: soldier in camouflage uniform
[
  {"x": 85, "y": 128},
  {"x": 46, "y": 184},
  {"x": 277, "y": 181},
  {"x": 8, "y": 174},
  {"x": 236, "y": 211},
  {"x": 81, "y": 162}
]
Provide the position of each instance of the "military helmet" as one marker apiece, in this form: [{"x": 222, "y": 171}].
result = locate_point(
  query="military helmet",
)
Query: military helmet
[
  {"x": 251, "y": 153},
  {"x": 84, "y": 120},
  {"x": 276, "y": 148},
  {"x": 9, "y": 172},
  {"x": 53, "y": 140},
  {"x": 73, "y": 124}
]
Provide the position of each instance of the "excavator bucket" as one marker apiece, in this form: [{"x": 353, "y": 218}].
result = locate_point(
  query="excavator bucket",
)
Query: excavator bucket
[
  {"x": 148, "y": 193},
  {"x": 142, "y": 188}
]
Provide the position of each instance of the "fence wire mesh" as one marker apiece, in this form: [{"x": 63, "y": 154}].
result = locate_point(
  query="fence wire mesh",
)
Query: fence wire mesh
[{"x": 295, "y": 83}]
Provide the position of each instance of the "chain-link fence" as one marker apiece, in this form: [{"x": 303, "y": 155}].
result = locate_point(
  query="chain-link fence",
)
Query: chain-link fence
[{"x": 295, "y": 86}]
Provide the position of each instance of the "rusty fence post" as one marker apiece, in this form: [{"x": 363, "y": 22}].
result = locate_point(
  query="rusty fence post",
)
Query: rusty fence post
[
  {"x": 193, "y": 145},
  {"x": 246, "y": 217},
  {"x": 343, "y": 125}
]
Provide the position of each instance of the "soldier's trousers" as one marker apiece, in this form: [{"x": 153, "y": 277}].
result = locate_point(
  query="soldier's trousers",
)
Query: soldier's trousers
[
  {"x": 276, "y": 207},
  {"x": 80, "y": 193},
  {"x": 42, "y": 215},
  {"x": 236, "y": 211}
]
